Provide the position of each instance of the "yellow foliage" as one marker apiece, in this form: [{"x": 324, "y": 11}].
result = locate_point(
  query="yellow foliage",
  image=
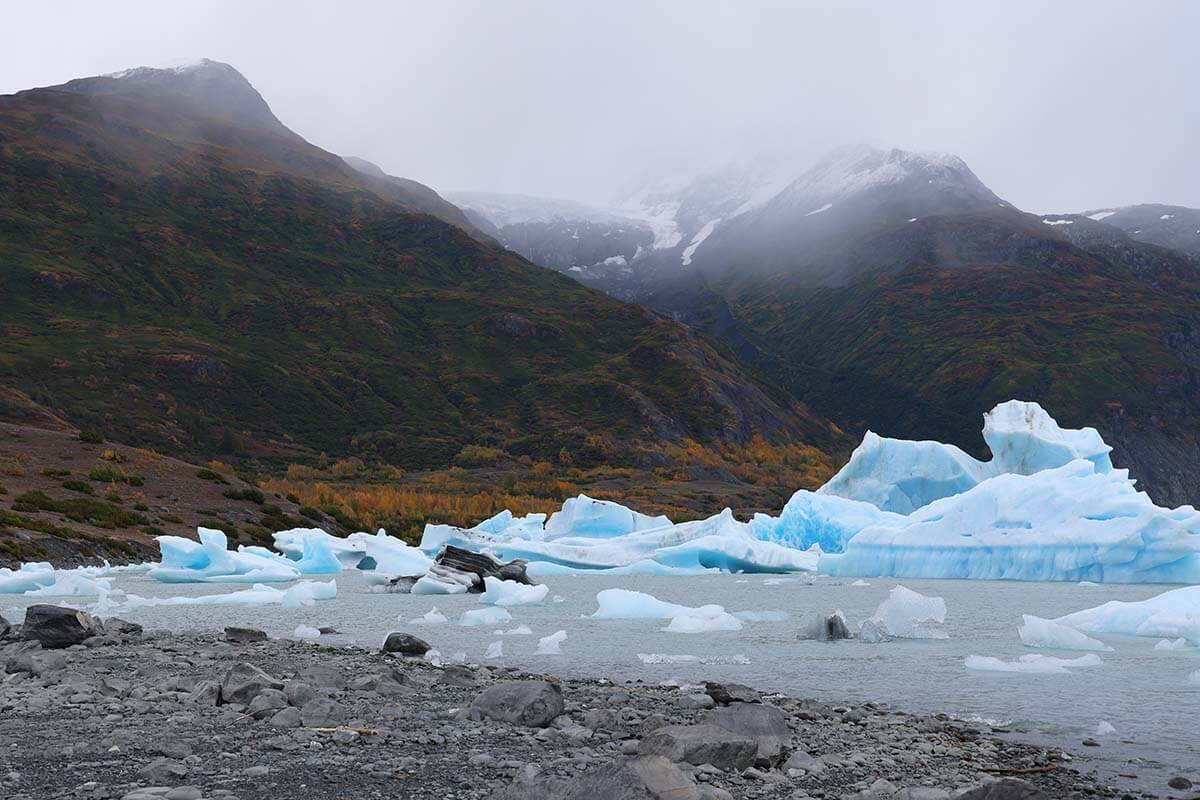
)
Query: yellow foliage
[{"x": 220, "y": 466}]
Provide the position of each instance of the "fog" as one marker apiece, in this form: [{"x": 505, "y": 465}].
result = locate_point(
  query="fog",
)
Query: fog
[{"x": 1056, "y": 106}]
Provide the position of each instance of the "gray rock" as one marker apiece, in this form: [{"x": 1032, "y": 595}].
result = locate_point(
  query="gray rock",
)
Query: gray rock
[
  {"x": 701, "y": 744},
  {"x": 266, "y": 703},
  {"x": 531, "y": 703},
  {"x": 456, "y": 675},
  {"x": 401, "y": 584},
  {"x": 799, "y": 760},
  {"x": 826, "y": 628},
  {"x": 298, "y": 693},
  {"x": 921, "y": 793},
  {"x": 1007, "y": 789},
  {"x": 5, "y": 627},
  {"x": 322, "y": 713},
  {"x": 29, "y": 657},
  {"x": 726, "y": 693},
  {"x": 1179, "y": 782},
  {"x": 287, "y": 718},
  {"x": 244, "y": 681},
  {"x": 121, "y": 627},
  {"x": 205, "y": 693},
  {"x": 644, "y": 778},
  {"x": 244, "y": 635},
  {"x": 405, "y": 644},
  {"x": 163, "y": 770},
  {"x": 766, "y": 724},
  {"x": 58, "y": 626},
  {"x": 696, "y": 701},
  {"x": 481, "y": 565}
]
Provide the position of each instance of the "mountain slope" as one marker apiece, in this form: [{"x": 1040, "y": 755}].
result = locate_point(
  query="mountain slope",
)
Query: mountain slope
[{"x": 181, "y": 270}]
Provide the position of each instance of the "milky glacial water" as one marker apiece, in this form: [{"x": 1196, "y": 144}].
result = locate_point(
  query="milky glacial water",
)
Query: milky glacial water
[{"x": 1142, "y": 692}]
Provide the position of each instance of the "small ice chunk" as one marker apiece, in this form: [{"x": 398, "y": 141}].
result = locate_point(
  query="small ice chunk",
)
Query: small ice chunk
[
  {"x": 1105, "y": 728},
  {"x": 761, "y": 616},
  {"x": 551, "y": 645},
  {"x": 520, "y": 630},
  {"x": 492, "y": 615},
  {"x": 430, "y": 617},
  {"x": 1034, "y": 663},
  {"x": 860, "y": 582},
  {"x": 306, "y": 632},
  {"x": 510, "y": 593},
  {"x": 1171, "y": 644},
  {"x": 495, "y": 650},
  {"x": 872, "y": 632},
  {"x": 438, "y": 584},
  {"x": 1038, "y": 632},
  {"x": 721, "y": 621},
  {"x": 905, "y": 614}
]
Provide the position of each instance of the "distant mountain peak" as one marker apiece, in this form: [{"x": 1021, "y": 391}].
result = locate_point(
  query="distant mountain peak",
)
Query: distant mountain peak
[
  {"x": 854, "y": 169},
  {"x": 215, "y": 87}
]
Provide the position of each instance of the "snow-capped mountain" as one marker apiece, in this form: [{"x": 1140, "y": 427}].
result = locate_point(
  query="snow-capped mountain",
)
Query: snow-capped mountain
[{"x": 1176, "y": 227}]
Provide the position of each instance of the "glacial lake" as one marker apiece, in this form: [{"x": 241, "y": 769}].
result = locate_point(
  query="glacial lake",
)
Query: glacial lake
[{"x": 1141, "y": 692}]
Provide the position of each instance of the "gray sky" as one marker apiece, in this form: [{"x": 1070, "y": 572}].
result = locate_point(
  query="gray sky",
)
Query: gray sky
[{"x": 1057, "y": 106}]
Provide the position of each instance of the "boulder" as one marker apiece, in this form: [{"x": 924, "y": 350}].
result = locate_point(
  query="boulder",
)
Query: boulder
[
  {"x": 244, "y": 681},
  {"x": 286, "y": 718},
  {"x": 642, "y": 778},
  {"x": 701, "y": 744},
  {"x": 163, "y": 771},
  {"x": 5, "y": 628},
  {"x": 765, "y": 724},
  {"x": 405, "y": 644},
  {"x": 267, "y": 703},
  {"x": 322, "y": 713},
  {"x": 457, "y": 675},
  {"x": 1007, "y": 789},
  {"x": 205, "y": 693},
  {"x": 533, "y": 704},
  {"x": 244, "y": 635},
  {"x": 726, "y": 693},
  {"x": 58, "y": 626},
  {"x": 298, "y": 693}
]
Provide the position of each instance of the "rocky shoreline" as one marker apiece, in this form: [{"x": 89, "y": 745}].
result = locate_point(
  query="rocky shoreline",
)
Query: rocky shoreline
[{"x": 97, "y": 710}]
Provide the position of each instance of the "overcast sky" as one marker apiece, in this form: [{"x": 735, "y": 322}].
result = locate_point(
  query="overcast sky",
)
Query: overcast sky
[{"x": 1057, "y": 106}]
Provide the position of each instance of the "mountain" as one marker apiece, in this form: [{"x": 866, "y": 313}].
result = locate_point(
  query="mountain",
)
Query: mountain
[
  {"x": 1176, "y": 227},
  {"x": 894, "y": 291},
  {"x": 593, "y": 245},
  {"x": 180, "y": 270}
]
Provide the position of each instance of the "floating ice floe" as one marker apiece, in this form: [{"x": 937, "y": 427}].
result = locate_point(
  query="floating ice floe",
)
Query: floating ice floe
[
  {"x": 1038, "y": 632},
  {"x": 30, "y": 577},
  {"x": 492, "y": 615},
  {"x": 510, "y": 593},
  {"x": 665, "y": 658},
  {"x": 1105, "y": 728},
  {"x": 1172, "y": 644},
  {"x": 431, "y": 617},
  {"x": 304, "y": 593},
  {"x": 628, "y": 604},
  {"x": 1034, "y": 663},
  {"x": 551, "y": 645},
  {"x": 495, "y": 650},
  {"x": 1173, "y": 614},
  {"x": 520, "y": 630},
  {"x": 910, "y": 615}
]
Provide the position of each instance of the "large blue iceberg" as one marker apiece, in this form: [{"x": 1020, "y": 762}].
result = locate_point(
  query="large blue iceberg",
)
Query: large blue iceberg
[{"x": 1048, "y": 505}]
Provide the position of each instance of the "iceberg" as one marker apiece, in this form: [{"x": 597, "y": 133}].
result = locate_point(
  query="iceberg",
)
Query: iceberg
[
  {"x": 495, "y": 650},
  {"x": 704, "y": 623},
  {"x": 31, "y": 577},
  {"x": 903, "y": 476},
  {"x": 823, "y": 520},
  {"x": 598, "y": 519},
  {"x": 1172, "y": 644},
  {"x": 210, "y": 560},
  {"x": 905, "y": 614},
  {"x": 1069, "y": 523},
  {"x": 68, "y": 583},
  {"x": 510, "y": 593},
  {"x": 385, "y": 557},
  {"x": 1171, "y": 615},
  {"x": 1038, "y": 632},
  {"x": 628, "y": 604},
  {"x": 1034, "y": 663}
]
